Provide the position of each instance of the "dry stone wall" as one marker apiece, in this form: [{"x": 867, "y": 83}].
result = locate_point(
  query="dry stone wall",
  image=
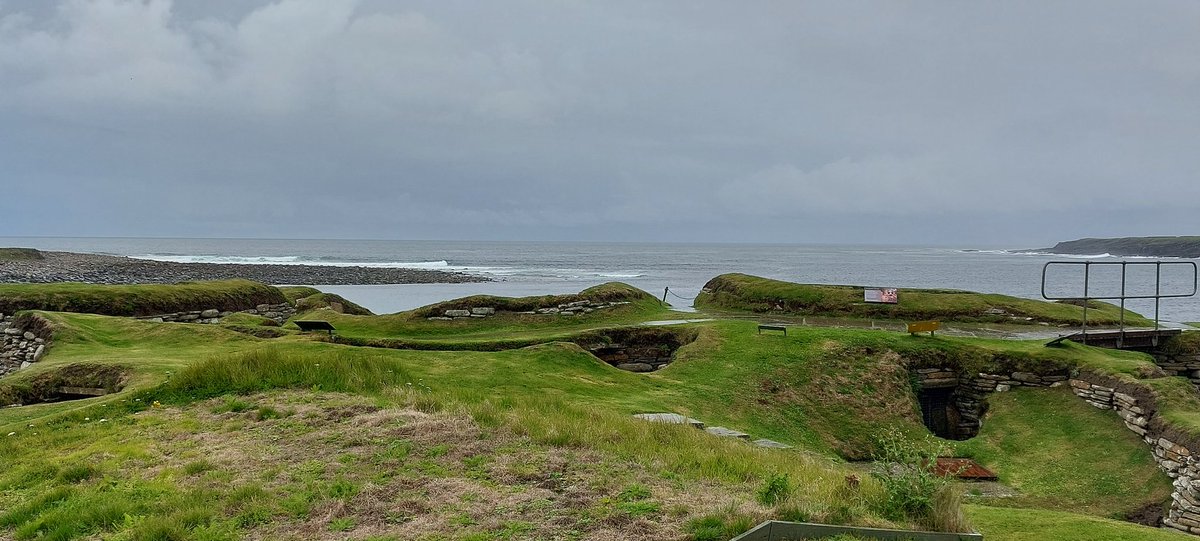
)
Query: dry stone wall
[
  {"x": 1179, "y": 364},
  {"x": 1175, "y": 453},
  {"x": 278, "y": 312},
  {"x": 568, "y": 309},
  {"x": 20, "y": 345}
]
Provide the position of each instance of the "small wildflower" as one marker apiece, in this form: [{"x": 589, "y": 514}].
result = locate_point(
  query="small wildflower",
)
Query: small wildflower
[
  {"x": 12, "y": 433},
  {"x": 87, "y": 418},
  {"x": 103, "y": 420},
  {"x": 156, "y": 404}
]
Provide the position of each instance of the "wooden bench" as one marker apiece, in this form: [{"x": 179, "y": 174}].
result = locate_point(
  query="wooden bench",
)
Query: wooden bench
[
  {"x": 310, "y": 326},
  {"x": 764, "y": 327},
  {"x": 924, "y": 326}
]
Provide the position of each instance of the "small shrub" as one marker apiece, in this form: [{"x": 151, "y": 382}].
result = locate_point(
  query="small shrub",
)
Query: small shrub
[
  {"x": 267, "y": 412},
  {"x": 343, "y": 524},
  {"x": 342, "y": 489},
  {"x": 718, "y": 527},
  {"x": 639, "y": 508},
  {"x": 633, "y": 493},
  {"x": 776, "y": 489},
  {"x": 76, "y": 473},
  {"x": 198, "y": 467},
  {"x": 912, "y": 489},
  {"x": 232, "y": 405}
]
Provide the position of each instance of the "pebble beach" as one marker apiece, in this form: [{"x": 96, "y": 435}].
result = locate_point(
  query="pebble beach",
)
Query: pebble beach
[{"x": 108, "y": 269}]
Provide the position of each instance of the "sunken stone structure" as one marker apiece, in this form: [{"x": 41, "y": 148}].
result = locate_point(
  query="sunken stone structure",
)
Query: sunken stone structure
[
  {"x": 567, "y": 309},
  {"x": 278, "y": 312},
  {"x": 953, "y": 404}
]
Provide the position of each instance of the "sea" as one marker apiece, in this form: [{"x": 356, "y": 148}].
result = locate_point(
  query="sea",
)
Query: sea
[{"x": 677, "y": 271}]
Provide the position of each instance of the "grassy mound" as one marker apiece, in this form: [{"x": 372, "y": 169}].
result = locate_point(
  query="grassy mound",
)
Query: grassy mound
[
  {"x": 20, "y": 254},
  {"x": 752, "y": 293},
  {"x": 609, "y": 292},
  {"x": 137, "y": 300},
  {"x": 306, "y": 298},
  {"x": 510, "y": 327}
]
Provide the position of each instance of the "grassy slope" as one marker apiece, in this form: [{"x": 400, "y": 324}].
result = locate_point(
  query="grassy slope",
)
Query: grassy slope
[
  {"x": 752, "y": 293},
  {"x": 785, "y": 388},
  {"x": 1006, "y": 524},
  {"x": 307, "y": 465},
  {"x": 137, "y": 300},
  {"x": 1045, "y": 443},
  {"x": 20, "y": 254}
]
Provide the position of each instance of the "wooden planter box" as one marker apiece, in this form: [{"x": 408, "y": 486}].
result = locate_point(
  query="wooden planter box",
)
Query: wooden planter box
[{"x": 773, "y": 530}]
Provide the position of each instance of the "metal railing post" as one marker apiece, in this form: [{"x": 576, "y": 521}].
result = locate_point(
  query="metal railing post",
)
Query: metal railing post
[
  {"x": 1087, "y": 266},
  {"x": 1121, "y": 337}
]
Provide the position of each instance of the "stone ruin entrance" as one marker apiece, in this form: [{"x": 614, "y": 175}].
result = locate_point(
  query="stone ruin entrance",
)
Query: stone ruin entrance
[
  {"x": 938, "y": 412},
  {"x": 953, "y": 404},
  {"x": 71, "y": 382},
  {"x": 636, "y": 349},
  {"x": 951, "y": 408}
]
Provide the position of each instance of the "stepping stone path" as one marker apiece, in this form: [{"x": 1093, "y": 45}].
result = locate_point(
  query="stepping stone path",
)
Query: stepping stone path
[
  {"x": 669, "y": 418},
  {"x": 726, "y": 433},
  {"x": 771, "y": 444},
  {"x": 719, "y": 431}
]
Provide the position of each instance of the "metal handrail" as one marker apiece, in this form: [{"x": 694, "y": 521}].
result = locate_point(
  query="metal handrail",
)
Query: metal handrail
[{"x": 1157, "y": 296}]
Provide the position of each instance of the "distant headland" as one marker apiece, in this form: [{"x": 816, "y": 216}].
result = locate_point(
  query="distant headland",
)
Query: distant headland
[{"x": 1188, "y": 247}]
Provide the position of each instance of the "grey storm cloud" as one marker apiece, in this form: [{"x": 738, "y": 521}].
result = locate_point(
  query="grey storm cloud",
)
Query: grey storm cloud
[{"x": 1010, "y": 122}]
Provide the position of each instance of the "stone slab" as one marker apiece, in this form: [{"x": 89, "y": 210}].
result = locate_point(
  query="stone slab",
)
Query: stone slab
[
  {"x": 726, "y": 432},
  {"x": 669, "y": 418}
]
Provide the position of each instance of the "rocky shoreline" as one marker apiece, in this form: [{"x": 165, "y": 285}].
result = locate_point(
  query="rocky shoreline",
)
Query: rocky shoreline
[{"x": 106, "y": 269}]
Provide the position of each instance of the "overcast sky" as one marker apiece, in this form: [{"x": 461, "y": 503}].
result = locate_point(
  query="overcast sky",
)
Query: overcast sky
[{"x": 1012, "y": 123}]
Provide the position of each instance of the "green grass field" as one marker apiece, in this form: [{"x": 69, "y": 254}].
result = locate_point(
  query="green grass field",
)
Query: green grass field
[
  {"x": 741, "y": 292},
  {"x": 221, "y": 434}
]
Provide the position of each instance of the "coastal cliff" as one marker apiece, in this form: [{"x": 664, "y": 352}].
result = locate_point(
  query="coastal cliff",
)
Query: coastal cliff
[{"x": 1132, "y": 246}]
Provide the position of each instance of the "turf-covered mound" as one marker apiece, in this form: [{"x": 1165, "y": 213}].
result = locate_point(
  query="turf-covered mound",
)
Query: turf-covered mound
[
  {"x": 610, "y": 292},
  {"x": 756, "y": 294},
  {"x": 20, "y": 254},
  {"x": 306, "y": 298},
  {"x": 137, "y": 300}
]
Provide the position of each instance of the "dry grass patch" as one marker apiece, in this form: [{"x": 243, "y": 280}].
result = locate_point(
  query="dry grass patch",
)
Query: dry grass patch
[{"x": 333, "y": 466}]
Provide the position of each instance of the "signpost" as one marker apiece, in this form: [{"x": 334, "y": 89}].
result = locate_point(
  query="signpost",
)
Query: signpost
[
  {"x": 924, "y": 326},
  {"x": 881, "y": 295}
]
